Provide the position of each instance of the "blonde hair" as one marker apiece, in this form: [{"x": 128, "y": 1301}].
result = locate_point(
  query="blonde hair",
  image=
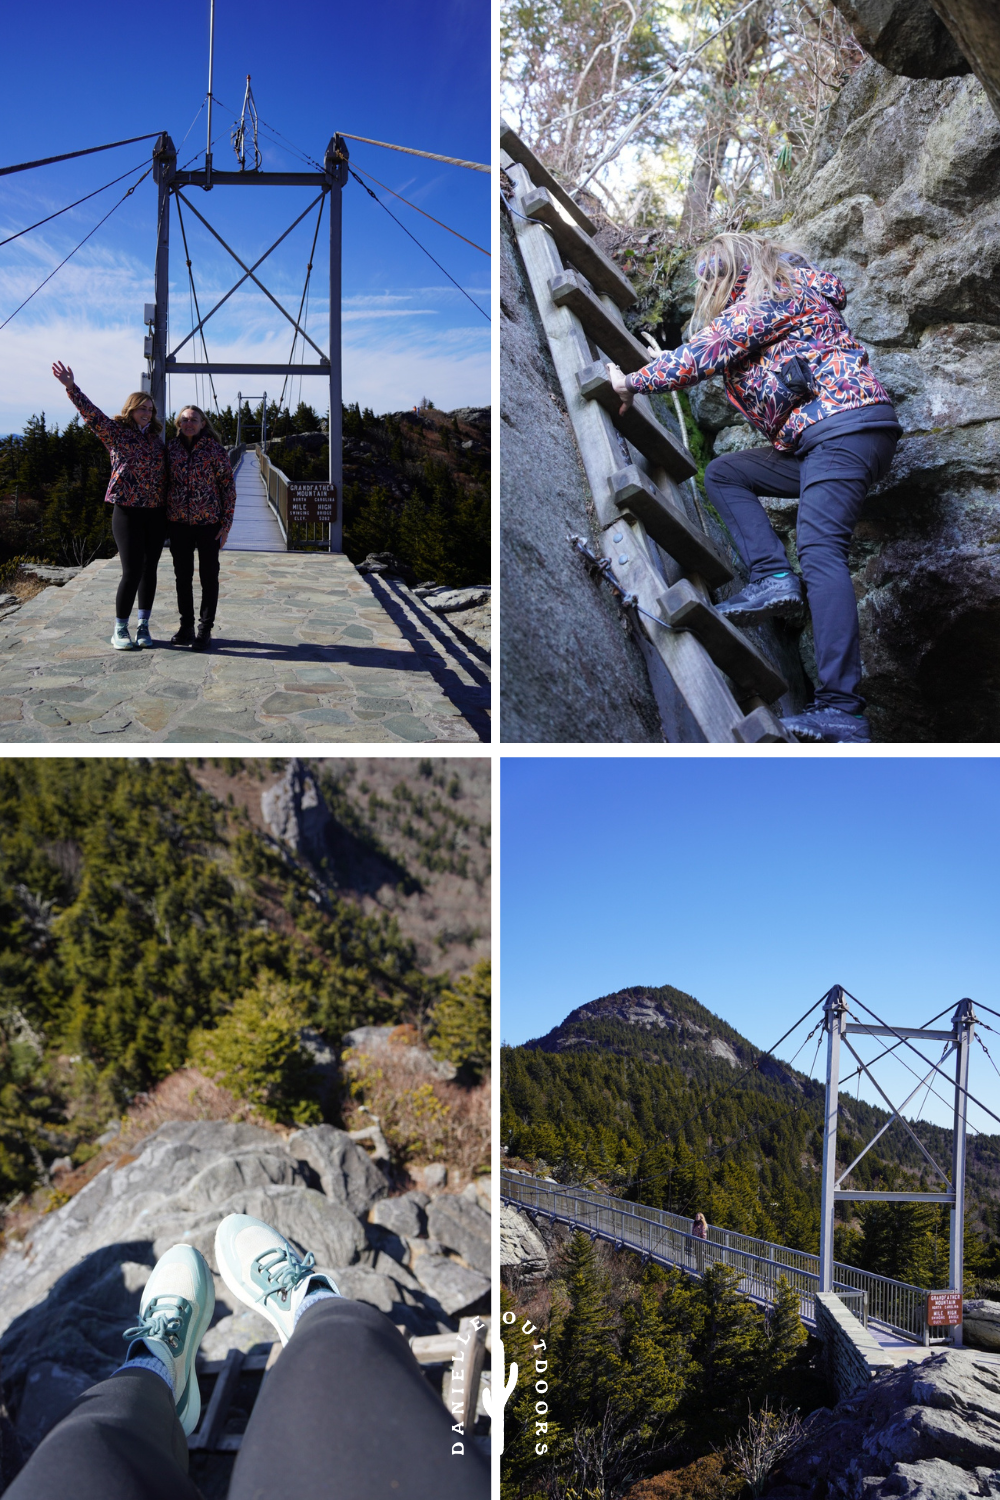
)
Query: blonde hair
[
  {"x": 205, "y": 423},
  {"x": 722, "y": 261},
  {"x": 139, "y": 398}
]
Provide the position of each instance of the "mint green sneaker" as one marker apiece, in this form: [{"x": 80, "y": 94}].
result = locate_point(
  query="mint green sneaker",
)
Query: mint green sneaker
[
  {"x": 120, "y": 639},
  {"x": 142, "y": 635},
  {"x": 176, "y": 1309},
  {"x": 260, "y": 1267}
]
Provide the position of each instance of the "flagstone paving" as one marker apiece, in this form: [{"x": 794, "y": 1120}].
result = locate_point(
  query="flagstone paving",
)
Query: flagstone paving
[{"x": 303, "y": 651}]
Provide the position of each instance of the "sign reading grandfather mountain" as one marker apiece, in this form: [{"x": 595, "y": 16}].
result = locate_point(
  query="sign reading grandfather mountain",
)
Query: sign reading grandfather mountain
[
  {"x": 312, "y": 500},
  {"x": 943, "y": 1307}
]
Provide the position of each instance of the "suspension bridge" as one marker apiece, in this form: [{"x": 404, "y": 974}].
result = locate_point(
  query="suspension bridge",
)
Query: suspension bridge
[
  {"x": 305, "y": 648},
  {"x": 887, "y": 1317}
]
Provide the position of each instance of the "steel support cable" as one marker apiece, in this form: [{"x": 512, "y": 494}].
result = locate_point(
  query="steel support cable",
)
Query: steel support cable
[
  {"x": 302, "y": 303},
  {"x": 413, "y": 237},
  {"x": 80, "y": 246},
  {"x": 987, "y": 1008},
  {"x": 197, "y": 309},
  {"x": 906, "y": 1042},
  {"x": 454, "y": 161},
  {"x": 424, "y": 212},
  {"x": 46, "y": 161},
  {"x": 66, "y": 210},
  {"x": 249, "y": 273}
]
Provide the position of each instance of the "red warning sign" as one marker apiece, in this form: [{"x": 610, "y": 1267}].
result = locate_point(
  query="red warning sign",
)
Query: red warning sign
[{"x": 943, "y": 1307}]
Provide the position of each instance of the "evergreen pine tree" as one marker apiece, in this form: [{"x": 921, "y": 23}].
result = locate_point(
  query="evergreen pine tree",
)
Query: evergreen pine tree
[
  {"x": 584, "y": 1359},
  {"x": 785, "y": 1333}
]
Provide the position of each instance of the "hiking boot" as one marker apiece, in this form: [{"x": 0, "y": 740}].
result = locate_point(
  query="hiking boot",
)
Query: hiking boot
[
  {"x": 120, "y": 639},
  {"x": 203, "y": 638},
  {"x": 176, "y": 1309},
  {"x": 829, "y": 726},
  {"x": 262, "y": 1269},
  {"x": 767, "y": 599},
  {"x": 185, "y": 634},
  {"x": 142, "y": 635}
]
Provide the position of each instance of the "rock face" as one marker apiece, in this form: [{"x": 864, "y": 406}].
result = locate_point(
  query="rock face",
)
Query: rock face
[
  {"x": 905, "y": 36},
  {"x": 71, "y": 1288},
  {"x": 901, "y": 202},
  {"x": 930, "y": 1429},
  {"x": 570, "y": 670},
  {"x": 981, "y": 1325},
  {"x": 520, "y": 1243},
  {"x": 295, "y": 812}
]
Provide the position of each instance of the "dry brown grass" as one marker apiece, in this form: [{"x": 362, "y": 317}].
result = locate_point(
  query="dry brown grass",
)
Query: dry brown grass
[
  {"x": 708, "y": 1478},
  {"x": 423, "y": 1119},
  {"x": 25, "y": 586}
]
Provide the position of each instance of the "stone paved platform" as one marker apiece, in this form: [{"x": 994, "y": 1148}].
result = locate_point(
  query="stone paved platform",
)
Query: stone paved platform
[{"x": 303, "y": 651}]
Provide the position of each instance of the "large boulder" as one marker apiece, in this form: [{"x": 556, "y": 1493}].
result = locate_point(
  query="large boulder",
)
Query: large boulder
[
  {"x": 461, "y": 1225},
  {"x": 981, "y": 1323},
  {"x": 346, "y": 1173}
]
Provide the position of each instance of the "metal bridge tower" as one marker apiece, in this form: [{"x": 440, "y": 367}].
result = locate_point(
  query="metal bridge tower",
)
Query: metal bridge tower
[
  {"x": 960, "y": 1039},
  {"x": 164, "y": 362}
]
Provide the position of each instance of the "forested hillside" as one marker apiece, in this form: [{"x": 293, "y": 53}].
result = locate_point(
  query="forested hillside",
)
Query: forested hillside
[
  {"x": 652, "y": 1108},
  {"x": 146, "y": 918}
]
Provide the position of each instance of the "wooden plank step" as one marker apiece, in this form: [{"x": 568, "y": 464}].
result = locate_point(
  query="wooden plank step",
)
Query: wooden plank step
[
  {"x": 515, "y": 148},
  {"x": 667, "y": 524},
  {"x": 728, "y": 648},
  {"x": 570, "y": 290},
  {"x": 637, "y": 424},
  {"x": 578, "y": 248},
  {"x": 762, "y": 727}
]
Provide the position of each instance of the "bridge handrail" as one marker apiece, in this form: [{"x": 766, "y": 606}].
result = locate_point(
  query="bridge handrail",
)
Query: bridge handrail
[
  {"x": 276, "y": 484},
  {"x": 899, "y": 1305}
]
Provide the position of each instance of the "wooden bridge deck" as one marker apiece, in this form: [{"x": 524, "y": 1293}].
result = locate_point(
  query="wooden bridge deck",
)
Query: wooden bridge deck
[{"x": 255, "y": 526}]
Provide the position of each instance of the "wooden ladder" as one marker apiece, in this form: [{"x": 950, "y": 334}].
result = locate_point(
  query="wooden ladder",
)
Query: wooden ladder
[
  {"x": 452, "y": 1363},
  {"x": 634, "y": 468}
]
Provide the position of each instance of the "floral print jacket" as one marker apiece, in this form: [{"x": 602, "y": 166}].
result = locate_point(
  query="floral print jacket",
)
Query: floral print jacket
[
  {"x": 138, "y": 459},
  {"x": 202, "y": 488},
  {"x": 785, "y": 363}
]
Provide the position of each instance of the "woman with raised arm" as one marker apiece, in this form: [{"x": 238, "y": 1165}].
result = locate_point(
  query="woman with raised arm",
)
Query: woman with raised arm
[
  {"x": 138, "y": 493},
  {"x": 771, "y": 325},
  {"x": 200, "y": 505}
]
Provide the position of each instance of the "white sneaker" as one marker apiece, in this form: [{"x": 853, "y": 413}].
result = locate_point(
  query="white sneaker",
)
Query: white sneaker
[
  {"x": 121, "y": 640},
  {"x": 176, "y": 1309},
  {"x": 260, "y": 1267}
]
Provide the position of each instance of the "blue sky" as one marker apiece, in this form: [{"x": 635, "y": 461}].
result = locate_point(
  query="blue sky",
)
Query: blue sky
[
  {"x": 415, "y": 75},
  {"x": 754, "y": 886}
]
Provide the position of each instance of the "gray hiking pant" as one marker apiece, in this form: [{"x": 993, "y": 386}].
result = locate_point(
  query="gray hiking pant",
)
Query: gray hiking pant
[{"x": 345, "y": 1413}]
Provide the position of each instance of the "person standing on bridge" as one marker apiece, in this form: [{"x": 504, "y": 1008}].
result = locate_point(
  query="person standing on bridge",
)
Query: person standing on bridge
[
  {"x": 138, "y": 493},
  {"x": 201, "y": 502},
  {"x": 771, "y": 325}
]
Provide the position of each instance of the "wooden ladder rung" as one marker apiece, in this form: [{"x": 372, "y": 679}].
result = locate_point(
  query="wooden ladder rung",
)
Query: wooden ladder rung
[
  {"x": 569, "y": 290},
  {"x": 577, "y": 247},
  {"x": 729, "y": 649},
  {"x": 762, "y": 727},
  {"x": 515, "y": 148},
  {"x": 635, "y": 492},
  {"x": 637, "y": 424}
]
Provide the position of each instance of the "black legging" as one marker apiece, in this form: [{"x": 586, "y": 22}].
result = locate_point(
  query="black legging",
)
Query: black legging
[
  {"x": 345, "y": 1411},
  {"x": 138, "y": 534},
  {"x": 184, "y": 542}
]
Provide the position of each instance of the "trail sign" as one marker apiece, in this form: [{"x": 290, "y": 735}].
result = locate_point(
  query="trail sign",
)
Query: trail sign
[
  {"x": 312, "y": 500},
  {"x": 944, "y": 1307}
]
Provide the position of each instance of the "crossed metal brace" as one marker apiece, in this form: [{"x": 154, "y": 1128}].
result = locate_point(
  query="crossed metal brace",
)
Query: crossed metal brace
[{"x": 248, "y": 274}]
